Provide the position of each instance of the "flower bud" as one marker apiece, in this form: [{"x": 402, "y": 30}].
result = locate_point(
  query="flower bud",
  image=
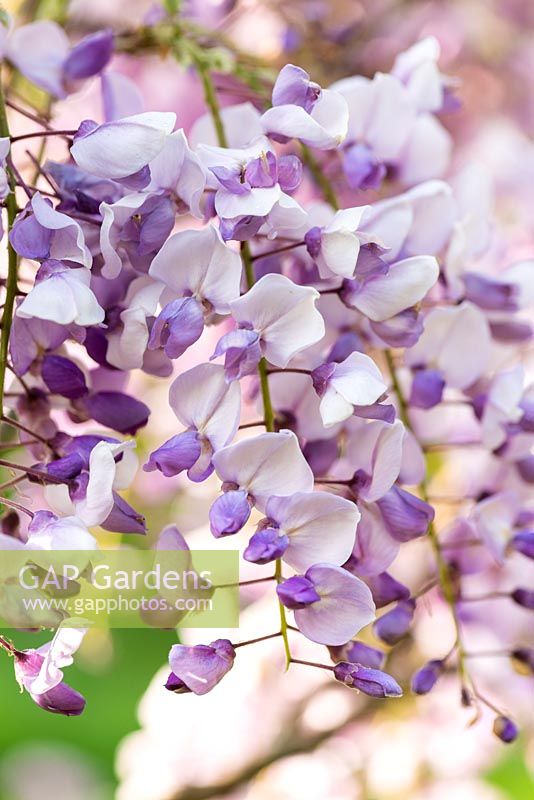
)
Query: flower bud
[
  {"x": 198, "y": 669},
  {"x": 266, "y": 545},
  {"x": 396, "y": 623},
  {"x": 405, "y": 515},
  {"x": 523, "y": 597},
  {"x": 385, "y": 589},
  {"x": 523, "y": 543},
  {"x": 297, "y": 592},
  {"x": 229, "y": 513},
  {"x": 372, "y": 682},
  {"x": 427, "y": 388},
  {"x": 505, "y": 729},
  {"x": 424, "y": 680}
]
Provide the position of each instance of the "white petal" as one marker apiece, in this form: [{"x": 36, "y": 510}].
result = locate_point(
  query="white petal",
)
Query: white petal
[
  {"x": 98, "y": 503},
  {"x": 406, "y": 283},
  {"x": 200, "y": 263},
  {"x": 334, "y": 408},
  {"x": 375, "y": 548},
  {"x": 201, "y": 398},
  {"x": 58, "y": 656},
  {"x": 325, "y": 128},
  {"x": 121, "y": 148},
  {"x": 68, "y": 242},
  {"x": 391, "y": 118},
  {"x": 321, "y": 527},
  {"x": 265, "y": 465},
  {"x": 427, "y": 153},
  {"x": 346, "y": 606},
  {"x": 241, "y": 125},
  {"x": 38, "y": 50}
]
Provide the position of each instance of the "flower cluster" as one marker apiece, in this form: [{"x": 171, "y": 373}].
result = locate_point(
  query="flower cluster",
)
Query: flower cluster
[{"x": 344, "y": 326}]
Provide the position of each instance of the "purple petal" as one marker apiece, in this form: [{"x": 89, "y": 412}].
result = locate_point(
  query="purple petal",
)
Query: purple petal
[
  {"x": 63, "y": 377},
  {"x": 489, "y": 294},
  {"x": 424, "y": 680},
  {"x": 358, "y": 653},
  {"x": 385, "y": 589},
  {"x": 200, "y": 668},
  {"x": 405, "y": 515},
  {"x": 361, "y": 168},
  {"x": 123, "y": 518},
  {"x": 29, "y": 239},
  {"x": 396, "y": 623},
  {"x": 297, "y": 592},
  {"x": 427, "y": 388},
  {"x": 90, "y": 56},
  {"x": 289, "y": 173},
  {"x": 293, "y": 87},
  {"x": 265, "y": 546},
  {"x": 179, "y": 325},
  {"x": 372, "y": 682},
  {"x": 261, "y": 173},
  {"x": 178, "y": 453},
  {"x": 117, "y": 411},
  {"x": 229, "y": 513},
  {"x": 242, "y": 352}
]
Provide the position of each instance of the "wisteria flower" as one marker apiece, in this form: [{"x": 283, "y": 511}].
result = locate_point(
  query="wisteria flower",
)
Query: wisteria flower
[
  {"x": 62, "y": 295},
  {"x": 330, "y": 605},
  {"x": 302, "y": 110},
  {"x": 199, "y": 669},
  {"x": 209, "y": 407}
]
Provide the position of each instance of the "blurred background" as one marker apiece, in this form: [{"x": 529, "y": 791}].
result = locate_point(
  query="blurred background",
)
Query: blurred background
[{"x": 264, "y": 734}]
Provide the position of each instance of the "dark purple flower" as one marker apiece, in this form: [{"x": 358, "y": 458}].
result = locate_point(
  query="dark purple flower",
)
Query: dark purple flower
[
  {"x": 424, "y": 680},
  {"x": 179, "y": 325},
  {"x": 229, "y": 513},
  {"x": 313, "y": 239},
  {"x": 297, "y": 592},
  {"x": 525, "y": 467},
  {"x": 405, "y": 515},
  {"x": 523, "y": 543},
  {"x": 117, "y": 411},
  {"x": 510, "y": 330},
  {"x": 266, "y": 545},
  {"x": 178, "y": 453},
  {"x": 505, "y": 729},
  {"x": 395, "y": 624},
  {"x": 63, "y": 377},
  {"x": 89, "y": 57},
  {"x": 123, "y": 518},
  {"x": 198, "y": 669},
  {"x": 358, "y": 653},
  {"x": 372, "y": 682},
  {"x": 523, "y": 597},
  {"x": 427, "y": 388},
  {"x": 525, "y": 657}
]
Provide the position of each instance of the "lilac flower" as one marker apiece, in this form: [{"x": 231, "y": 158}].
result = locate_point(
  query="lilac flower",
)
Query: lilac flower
[
  {"x": 493, "y": 519},
  {"x": 39, "y": 672},
  {"x": 357, "y": 381},
  {"x": 284, "y": 316},
  {"x": 265, "y": 465},
  {"x": 199, "y": 669},
  {"x": 178, "y": 173},
  {"x": 245, "y": 179},
  {"x": 42, "y": 232},
  {"x": 133, "y": 230},
  {"x": 418, "y": 69},
  {"x": 331, "y": 604},
  {"x": 127, "y": 342},
  {"x": 523, "y": 597},
  {"x": 122, "y": 148},
  {"x": 241, "y": 349},
  {"x": 50, "y": 532},
  {"x": 304, "y": 518},
  {"x": 210, "y": 424},
  {"x": 442, "y": 345},
  {"x": 386, "y": 291},
  {"x": 386, "y": 589},
  {"x": 502, "y": 406},
  {"x": 96, "y": 503},
  {"x": 302, "y": 110},
  {"x": 198, "y": 263},
  {"x": 30, "y": 338},
  {"x": 61, "y": 295},
  {"x": 376, "y": 450},
  {"x": 42, "y": 53},
  {"x": 372, "y": 682},
  {"x": 229, "y": 513}
]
